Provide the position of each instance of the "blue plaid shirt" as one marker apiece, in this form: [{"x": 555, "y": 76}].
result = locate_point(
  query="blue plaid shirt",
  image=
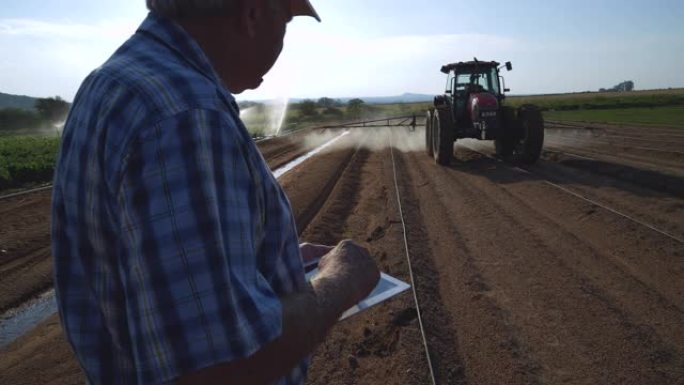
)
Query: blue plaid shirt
[{"x": 172, "y": 240}]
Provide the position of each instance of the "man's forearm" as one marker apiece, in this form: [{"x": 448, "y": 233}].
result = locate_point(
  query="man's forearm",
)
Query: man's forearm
[{"x": 307, "y": 318}]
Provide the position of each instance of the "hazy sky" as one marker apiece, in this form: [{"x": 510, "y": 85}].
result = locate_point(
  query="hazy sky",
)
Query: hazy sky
[{"x": 379, "y": 47}]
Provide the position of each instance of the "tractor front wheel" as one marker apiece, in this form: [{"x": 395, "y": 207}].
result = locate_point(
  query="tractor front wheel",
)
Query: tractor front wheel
[
  {"x": 442, "y": 141},
  {"x": 428, "y": 133}
]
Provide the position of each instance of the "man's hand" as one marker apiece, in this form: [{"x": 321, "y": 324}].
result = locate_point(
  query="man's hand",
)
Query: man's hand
[
  {"x": 311, "y": 251},
  {"x": 350, "y": 264},
  {"x": 346, "y": 275}
]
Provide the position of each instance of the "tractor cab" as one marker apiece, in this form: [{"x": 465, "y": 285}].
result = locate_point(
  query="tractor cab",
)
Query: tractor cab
[
  {"x": 474, "y": 87},
  {"x": 472, "y": 107}
]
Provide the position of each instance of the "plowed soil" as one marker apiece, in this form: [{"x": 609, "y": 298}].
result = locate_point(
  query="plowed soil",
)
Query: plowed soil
[{"x": 570, "y": 271}]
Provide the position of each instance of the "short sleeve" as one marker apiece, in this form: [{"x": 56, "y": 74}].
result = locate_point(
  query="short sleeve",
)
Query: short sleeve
[{"x": 190, "y": 220}]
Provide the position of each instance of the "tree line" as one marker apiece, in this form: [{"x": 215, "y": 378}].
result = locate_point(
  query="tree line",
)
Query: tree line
[
  {"x": 354, "y": 108},
  {"x": 322, "y": 109},
  {"x": 625, "y": 86},
  {"x": 46, "y": 112}
]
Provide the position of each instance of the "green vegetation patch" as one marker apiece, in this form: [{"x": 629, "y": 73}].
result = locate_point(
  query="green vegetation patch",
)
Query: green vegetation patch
[
  {"x": 42, "y": 119},
  {"x": 26, "y": 160},
  {"x": 603, "y": 100},
  {"x": 662, "y": 116}
]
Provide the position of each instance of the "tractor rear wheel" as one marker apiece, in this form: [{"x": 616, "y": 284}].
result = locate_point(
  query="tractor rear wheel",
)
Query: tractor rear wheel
[
  {"x": 505, "y": 142},
  {"x": 428, "y": 133},
  {"x": 532, "y": 123},
  {"x": 442, "y": 141},
  {"x": 523, "y": 141}
]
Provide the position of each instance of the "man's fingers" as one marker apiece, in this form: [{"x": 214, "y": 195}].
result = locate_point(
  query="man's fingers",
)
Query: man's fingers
[{"x": 311, "y": 251}]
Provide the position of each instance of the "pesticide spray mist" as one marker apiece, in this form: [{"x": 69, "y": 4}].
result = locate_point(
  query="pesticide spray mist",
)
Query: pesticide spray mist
[
  {"x": 372, "y": 138},
  {"x": 266, "y": 119}
]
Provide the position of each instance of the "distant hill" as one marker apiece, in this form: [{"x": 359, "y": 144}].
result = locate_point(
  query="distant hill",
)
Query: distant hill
[{"x": 17, "y": 101}]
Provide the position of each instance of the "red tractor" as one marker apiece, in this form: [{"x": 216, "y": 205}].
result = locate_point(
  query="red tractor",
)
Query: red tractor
[{"x": 473, "y": 107}]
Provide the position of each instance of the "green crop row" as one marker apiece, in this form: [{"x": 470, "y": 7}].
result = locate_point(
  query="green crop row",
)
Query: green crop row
[
  {"x": 603, "y": 100},
  {"x": 26, "y": 160},
  {"x": 662, "y": 116}
]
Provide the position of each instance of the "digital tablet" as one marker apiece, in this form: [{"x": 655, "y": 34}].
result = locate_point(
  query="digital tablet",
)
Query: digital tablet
[{"x": 387, "y": 287}]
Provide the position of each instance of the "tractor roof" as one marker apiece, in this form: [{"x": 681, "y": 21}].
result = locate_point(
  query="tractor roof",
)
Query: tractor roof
[{"x": 468, "y": 66}]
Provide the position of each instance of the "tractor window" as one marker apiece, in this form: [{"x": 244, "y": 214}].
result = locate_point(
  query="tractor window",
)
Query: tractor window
[
  {"x": 486, "y": 80},
  {"x": 480, "y": 80},
  {"x": 462, "y": 80}
]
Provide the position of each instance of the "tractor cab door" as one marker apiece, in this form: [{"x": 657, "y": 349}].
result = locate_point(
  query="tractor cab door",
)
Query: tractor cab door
[{"x": 460, "y": 84}]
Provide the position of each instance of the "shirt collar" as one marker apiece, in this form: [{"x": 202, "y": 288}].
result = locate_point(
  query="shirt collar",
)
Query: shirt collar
[{"x": 174, "y": 37}]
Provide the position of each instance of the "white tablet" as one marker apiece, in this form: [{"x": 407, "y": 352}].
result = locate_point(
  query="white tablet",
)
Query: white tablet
[{"x": 387, "y": 287}]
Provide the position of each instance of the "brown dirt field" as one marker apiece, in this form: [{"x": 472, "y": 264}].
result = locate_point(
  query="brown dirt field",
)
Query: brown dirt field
[
  {"x": 383, "y": 344},
  {"x": 518, "y": 281},
  {"x": 25, "y": 263},
  {"x": 281, "y": 150},
  {"x": 649, "y": 148}
]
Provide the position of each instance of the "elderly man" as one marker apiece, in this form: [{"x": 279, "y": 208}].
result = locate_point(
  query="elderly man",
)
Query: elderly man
[{"x": 176, "y": 253}]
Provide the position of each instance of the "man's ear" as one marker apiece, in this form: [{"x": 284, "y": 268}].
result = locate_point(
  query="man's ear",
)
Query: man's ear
[{"x": 250, "y": 12}]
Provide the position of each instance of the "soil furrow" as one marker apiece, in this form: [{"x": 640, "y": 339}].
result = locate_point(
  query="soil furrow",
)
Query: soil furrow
[
  {"x": 649, "y": 205},
  {"x": 489, "y": 343},
  {"x": 671, "y": 163},
  {"x": 627, "y": 242},
  {"x": 320, "y": 175},
  {"x": 434, "y": 291},
  {"x": 604, "y": 268},
  {"x": 645, "y": 178},
  {"x": 382, "y": 344},
  {"x": 528, "y": 279}
]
